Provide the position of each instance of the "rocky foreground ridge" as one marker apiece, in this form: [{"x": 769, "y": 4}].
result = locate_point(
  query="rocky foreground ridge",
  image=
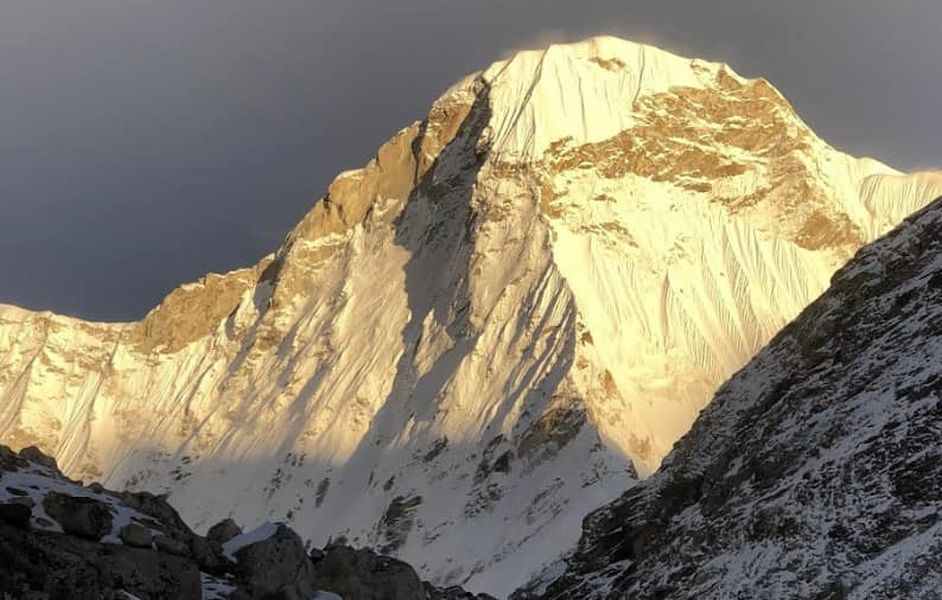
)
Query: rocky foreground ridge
[
  {"x": 816, "y": 472},
  {"x": 62, "y": 540},
  {"x": 494, "y": 327}
]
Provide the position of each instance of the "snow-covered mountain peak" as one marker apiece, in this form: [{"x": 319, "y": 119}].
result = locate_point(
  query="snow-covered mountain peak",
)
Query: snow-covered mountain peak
[
  {"x": 585, "y": 91},
  {"x": 518, "y": 305}
]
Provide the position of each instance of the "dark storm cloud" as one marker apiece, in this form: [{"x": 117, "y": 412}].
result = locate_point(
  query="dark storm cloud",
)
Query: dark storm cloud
[{"x": 143, "y": 143}]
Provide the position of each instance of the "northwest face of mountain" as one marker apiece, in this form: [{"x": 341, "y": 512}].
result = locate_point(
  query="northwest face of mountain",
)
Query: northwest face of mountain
[{"x": 492, "y": 328}]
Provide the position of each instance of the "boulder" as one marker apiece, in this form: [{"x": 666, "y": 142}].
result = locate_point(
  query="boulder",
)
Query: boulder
[
  {"x": 24, "y": 500},
  {"x": 136, "y": 536},
  {"x": 208, "y": 555},
  {"x": 171, "y": 546},
  {"x": 223, "y": 531},
  {"x": 277, "y": 567},
  {"x": 365, "y": 575},
  {"x": 15, "y": 514},
  {"x": 149, "y": 574},
  {"x": 77, "y": 515},
  {"x": 10, "y": 460},
  {"x": 156, "y": 507},
  {"x": 35, "y": 455}
]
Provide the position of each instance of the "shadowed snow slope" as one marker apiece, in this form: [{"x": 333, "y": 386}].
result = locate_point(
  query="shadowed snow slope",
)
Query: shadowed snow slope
[
  {"x": 816, "y": 472},
  {"x": 521, "y": 303}
]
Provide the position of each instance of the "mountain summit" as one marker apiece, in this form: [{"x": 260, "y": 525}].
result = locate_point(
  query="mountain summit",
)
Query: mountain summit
[{"x": 499, "y": 323}]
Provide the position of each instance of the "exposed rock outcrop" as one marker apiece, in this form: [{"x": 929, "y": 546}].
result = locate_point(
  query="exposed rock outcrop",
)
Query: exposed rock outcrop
[
  {"x": 277, "y": 566},
  {"x": 85, "y": 517},
  {"x": 136, "y": 536},
  {"x": 223, "y": 531},
  {"x": 366, "y": 575}
]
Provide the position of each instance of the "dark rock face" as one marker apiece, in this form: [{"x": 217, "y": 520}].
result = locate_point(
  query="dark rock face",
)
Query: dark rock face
[
  {"x": 48, "y": 565},
  {"x": 171, "y": 546},
  {"x": 136, "y": 536},
  {"x": 152, "y": 574},
  {"x": 556, "y": 428},
  {"x": 223, "y": 531},
  {"x": 277, "y": 567},
  {"x": 10, "y": 460},
  {"x": 16, "y": 514},
  {"x": 816, "y": 470},
  {"x": 364, "y": 574},
  {"x": 208, "y": 556},
  {"x": 156, "y": 507},
  {"x": 396, "y": 522},
  {"x": 41, "y": 563},
  {"x": 35, "y": 455},
  {"x": 84, "y": 517}
]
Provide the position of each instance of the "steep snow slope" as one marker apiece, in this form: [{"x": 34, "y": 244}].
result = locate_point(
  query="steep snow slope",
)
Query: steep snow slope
[
  {"x": 815, "y": 472},
  {"x": 486, "y": 332}
]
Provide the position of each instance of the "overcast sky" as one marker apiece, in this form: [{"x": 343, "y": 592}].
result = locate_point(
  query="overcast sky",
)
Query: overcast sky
[{"x": 145, "y": 142}]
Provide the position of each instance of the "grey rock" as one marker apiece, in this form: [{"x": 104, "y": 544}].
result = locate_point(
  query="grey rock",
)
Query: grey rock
[
  {"x": 10, "y": 460},
  {"x": 148, "y": 574},
  {"x": 136, "y": 536},
  {"x": 397, "y": 521},
  {"x": 157, "y": 507},
  {"x": 277, "y": 567},
  {"x": 77, "y": 515},
  {"x": 171, "y": 546},
  {"x": 208, "y": 555},
  {"x": 366, "y": 575},
  {"x": 55, "y": 565},
  {"x": 24, "y": 500},
  {"x": 223, "y": 531},
  {"x": 35, "y": 455}
]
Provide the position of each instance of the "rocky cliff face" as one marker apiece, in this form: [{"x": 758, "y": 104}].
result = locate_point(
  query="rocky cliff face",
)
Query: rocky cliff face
[
  {"x": 816, "y": 470},
  {"x": 492, "y": 328}
]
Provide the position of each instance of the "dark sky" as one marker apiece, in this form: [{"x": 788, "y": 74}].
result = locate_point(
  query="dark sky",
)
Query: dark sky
[{"x": 145, "y": 142}]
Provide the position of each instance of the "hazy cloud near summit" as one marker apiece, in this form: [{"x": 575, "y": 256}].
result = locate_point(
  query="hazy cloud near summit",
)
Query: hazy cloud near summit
[{"x": 144, "y": 143}]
